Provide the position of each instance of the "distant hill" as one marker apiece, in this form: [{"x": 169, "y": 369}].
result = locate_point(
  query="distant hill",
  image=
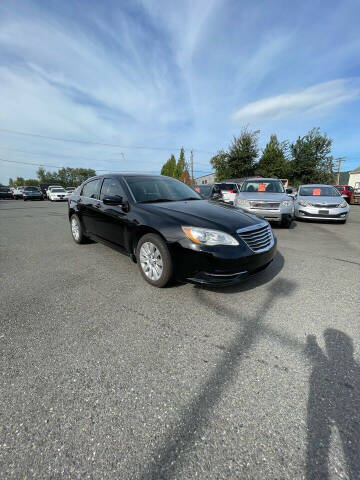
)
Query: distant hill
[{"x": 344, "y": 178}]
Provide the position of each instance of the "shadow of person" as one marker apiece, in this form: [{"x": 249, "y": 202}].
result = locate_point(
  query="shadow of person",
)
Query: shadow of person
[{"x": 334, "y": 399}]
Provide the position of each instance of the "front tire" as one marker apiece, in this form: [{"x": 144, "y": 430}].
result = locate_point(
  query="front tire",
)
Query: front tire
[
  {"x": 286, "y": 222},
  {"x": 154, "y": 260},
  {"x": 77, "y": 231}
]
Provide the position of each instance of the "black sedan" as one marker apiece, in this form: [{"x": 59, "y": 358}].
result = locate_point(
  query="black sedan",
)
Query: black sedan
[
  {"x": 169, "y": 230},
  {"x": 32, "y": 193}
]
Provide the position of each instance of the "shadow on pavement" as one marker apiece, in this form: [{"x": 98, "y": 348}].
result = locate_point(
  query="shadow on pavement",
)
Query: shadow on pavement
[
  {"x": 334, "y": 400},
  {"x": 181, "y": 437}
]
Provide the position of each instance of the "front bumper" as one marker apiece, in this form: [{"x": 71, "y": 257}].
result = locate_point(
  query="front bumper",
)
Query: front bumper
[
  {"x": 58, "y": 199},
  {"x": 220, "y": 265},
  {"x": 271, "y": 215},
  {"x": 314, "y": 213}
]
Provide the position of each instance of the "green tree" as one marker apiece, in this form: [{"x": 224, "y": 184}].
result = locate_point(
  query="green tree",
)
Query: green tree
[
  {"x": 31, "y": 182},
  {"x": 67, "y": 177},
  {"x": 19, "y": 182},
  {"x": 11, "y": 182},
  {"x": 239, "y": 160},
  {"x": 169, "y": 167},
  {"x": 273, "y": 161},
  {"x": 220, "y": 164},
  {"x": 181, "y": 164},
  {"x": 311, "y": 160}
]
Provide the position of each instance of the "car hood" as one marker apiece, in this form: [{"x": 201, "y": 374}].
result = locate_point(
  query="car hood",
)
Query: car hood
[
  {"x": 321, "y": 199},
  {"x": 264, "y": 196},
  {"x": 204, "y": 213}
]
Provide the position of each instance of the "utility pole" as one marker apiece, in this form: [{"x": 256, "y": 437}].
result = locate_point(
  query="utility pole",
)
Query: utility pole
[
  {"x": 339, "y": 160},
  {"x": 192, "y": 166}
]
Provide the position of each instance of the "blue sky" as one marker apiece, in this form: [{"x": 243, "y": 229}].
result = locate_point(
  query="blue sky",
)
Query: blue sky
[{"x": 170, "y": 73}]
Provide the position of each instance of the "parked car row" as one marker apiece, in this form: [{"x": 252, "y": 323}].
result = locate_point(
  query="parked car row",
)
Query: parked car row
[{"x": 52, "y": 192}]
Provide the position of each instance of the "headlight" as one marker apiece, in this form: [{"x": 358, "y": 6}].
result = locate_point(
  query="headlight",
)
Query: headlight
[
  {"x": 204, "y": 236},
  {"x": 342, "y": 204},
  {"x": 304, "y": 203},
  {"x": 242, "y": 202},
  {"x": 286, "y": 203}
]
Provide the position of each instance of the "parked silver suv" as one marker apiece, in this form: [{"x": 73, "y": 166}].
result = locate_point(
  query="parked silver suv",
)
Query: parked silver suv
[{"x": 266, "y": 198}]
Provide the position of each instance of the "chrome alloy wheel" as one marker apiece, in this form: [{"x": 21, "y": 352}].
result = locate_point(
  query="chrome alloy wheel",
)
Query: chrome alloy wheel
[
  {"x": 75, "y": 229},
  {"x": 151, "y": 261}
]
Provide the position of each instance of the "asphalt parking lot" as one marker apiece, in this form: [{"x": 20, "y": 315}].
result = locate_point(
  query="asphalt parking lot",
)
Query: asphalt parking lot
[{"x": 106, "y": 377}]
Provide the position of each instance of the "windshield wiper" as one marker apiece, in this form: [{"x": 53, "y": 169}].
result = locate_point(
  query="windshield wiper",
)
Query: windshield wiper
[
  {"x": 190, "y": 198},
  {"x": 157, "y": 200}
]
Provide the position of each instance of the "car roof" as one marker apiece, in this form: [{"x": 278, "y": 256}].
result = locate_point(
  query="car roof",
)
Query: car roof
[
  {"x": 261, "y": 179},
  {"x": 316, "y": 185}
]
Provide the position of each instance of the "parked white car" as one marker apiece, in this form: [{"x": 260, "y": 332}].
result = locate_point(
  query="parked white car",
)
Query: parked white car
[
  {"x": 50, "y": 187},
  {"x": 321, "y": 202},
  {"x": 228, "y": 191},
  {"x": 18, "y": 192},
  {"x": 57, "y": 194},
  {"x": 69, "y": 191}
]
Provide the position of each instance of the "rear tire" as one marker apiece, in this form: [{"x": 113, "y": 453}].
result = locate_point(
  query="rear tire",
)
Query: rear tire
[
  {"x": 77, "y": 231},
  {"x": 154, "y": 260}
]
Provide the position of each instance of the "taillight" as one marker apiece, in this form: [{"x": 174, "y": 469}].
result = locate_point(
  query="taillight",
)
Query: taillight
[{"x": 231, "y": 191}]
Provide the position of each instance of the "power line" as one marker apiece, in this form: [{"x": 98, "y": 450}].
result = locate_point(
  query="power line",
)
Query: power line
[
  {"x": 80, "y": 158},
  {"x": 62, "y": 166},
  {"x": 63, "y": 156},
  {"x": 90, "y": 142}
]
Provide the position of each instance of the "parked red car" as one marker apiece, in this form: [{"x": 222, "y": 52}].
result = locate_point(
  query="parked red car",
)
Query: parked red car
[{"x": 345, "y": 190}]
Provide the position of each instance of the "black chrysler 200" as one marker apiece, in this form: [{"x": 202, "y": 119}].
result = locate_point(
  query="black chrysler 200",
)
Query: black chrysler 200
[{"x": 170, "y": 230}]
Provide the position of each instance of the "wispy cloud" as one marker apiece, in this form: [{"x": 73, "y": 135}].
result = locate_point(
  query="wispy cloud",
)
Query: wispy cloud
[
  {"x": 317, "y": 98},
  {"x": 163, "y": 74}
]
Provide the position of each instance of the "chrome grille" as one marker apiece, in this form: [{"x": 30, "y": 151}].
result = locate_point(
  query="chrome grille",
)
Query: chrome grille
[
  {"x": 265, "y": 205},
  {"x": 326, "y": 205},
  {"x": 257, "y": 238}
]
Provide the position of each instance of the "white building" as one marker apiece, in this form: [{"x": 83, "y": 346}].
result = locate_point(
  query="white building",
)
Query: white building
[
  {"x": 354, "y": 177},
  {"x": 206, "y": 179}
]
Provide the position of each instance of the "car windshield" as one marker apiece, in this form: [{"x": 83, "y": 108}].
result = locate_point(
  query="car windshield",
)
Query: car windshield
[
  {"x": 158, "y": 189},
  {"x": 31, "y": 189},
  {"x": 70, "y": 189},
  {"x": 58, "y": 190},
  {"x": 268, "y": 186},
  {"x": 316, "y": 191}
]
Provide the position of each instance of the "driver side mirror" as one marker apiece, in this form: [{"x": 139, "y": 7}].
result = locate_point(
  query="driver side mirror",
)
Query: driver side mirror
[{"x": 113, "y": 200}]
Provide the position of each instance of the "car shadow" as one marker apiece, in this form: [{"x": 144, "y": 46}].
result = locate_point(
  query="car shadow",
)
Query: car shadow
[{"x": 334, "y": 400}]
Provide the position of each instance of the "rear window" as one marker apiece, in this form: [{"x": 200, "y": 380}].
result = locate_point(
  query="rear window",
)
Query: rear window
[
  {"x": 228, "y": 186},
  {"x": 31, "y": 189},
  {"x": 4, "y": 189}
]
